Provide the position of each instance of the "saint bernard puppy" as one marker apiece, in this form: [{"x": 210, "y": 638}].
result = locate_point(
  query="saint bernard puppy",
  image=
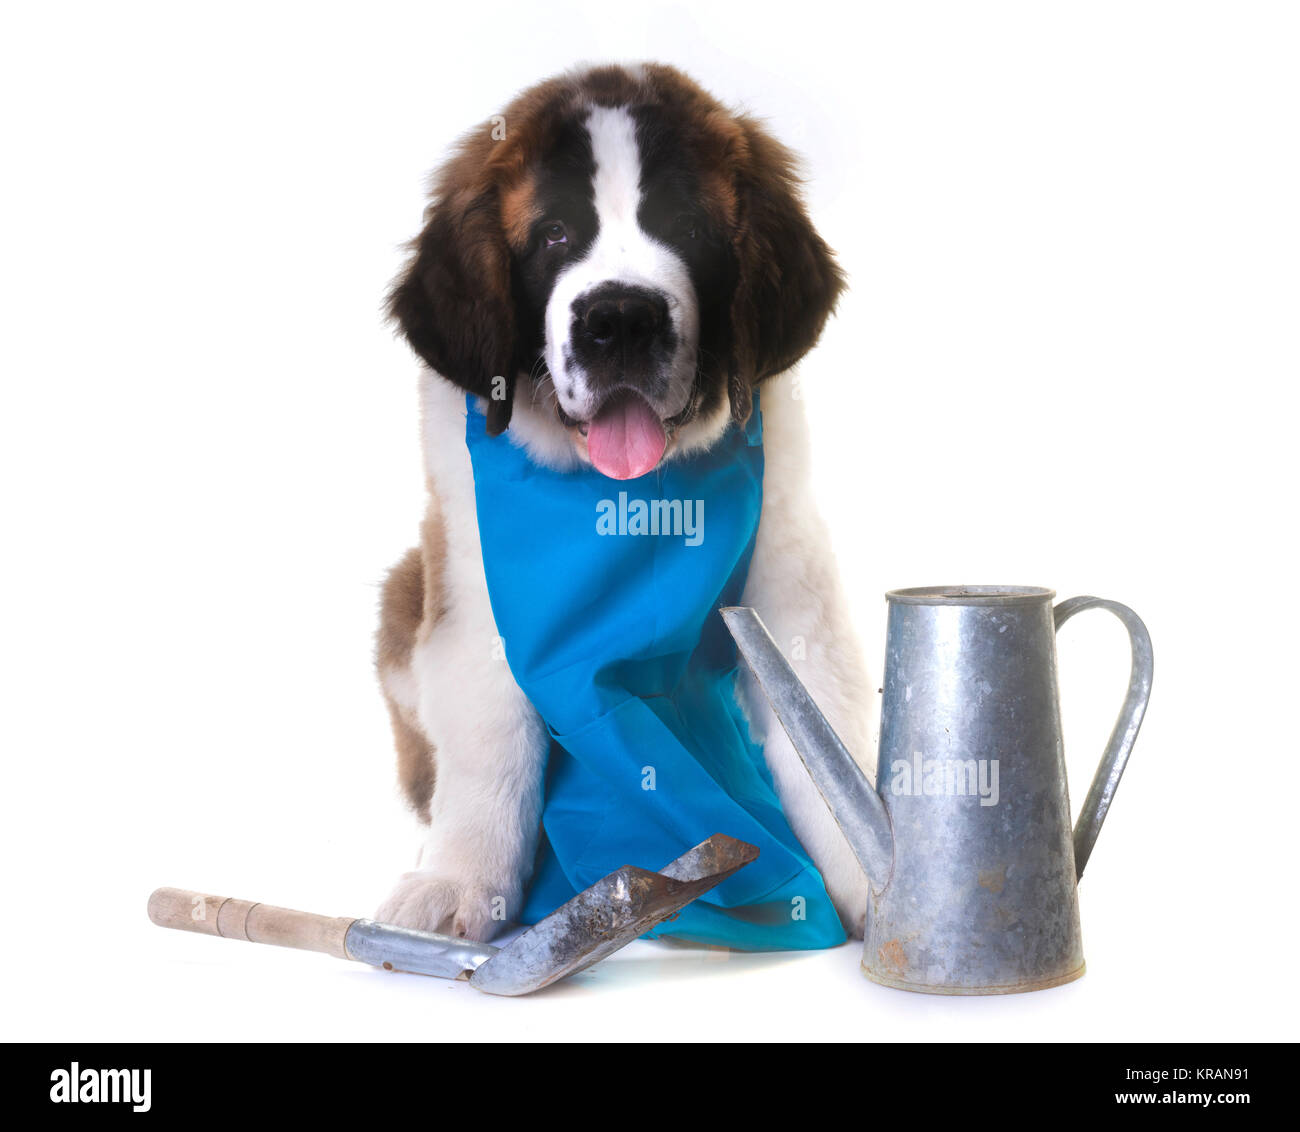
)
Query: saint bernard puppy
[{"x": 613, "y": 265}]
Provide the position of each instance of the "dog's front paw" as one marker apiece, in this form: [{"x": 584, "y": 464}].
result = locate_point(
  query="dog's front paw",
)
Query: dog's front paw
[{"x": 430, "y": 901}]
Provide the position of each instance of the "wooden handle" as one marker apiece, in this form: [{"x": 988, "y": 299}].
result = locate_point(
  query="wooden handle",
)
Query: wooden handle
[{"x": 243, "y": 919}]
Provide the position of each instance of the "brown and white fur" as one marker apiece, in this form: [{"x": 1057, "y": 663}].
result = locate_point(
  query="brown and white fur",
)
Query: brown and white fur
[{"x": 636, "y": 184}]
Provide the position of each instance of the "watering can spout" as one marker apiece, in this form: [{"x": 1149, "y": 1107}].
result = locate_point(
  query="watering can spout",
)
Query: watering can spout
[{"x": 854, "y": 803}]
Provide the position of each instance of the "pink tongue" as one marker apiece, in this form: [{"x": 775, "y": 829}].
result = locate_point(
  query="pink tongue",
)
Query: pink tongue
[{"x": 626, "y": 440}]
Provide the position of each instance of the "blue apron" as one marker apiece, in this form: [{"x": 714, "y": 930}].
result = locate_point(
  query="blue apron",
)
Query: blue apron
[{"x": 605, "y": 594}]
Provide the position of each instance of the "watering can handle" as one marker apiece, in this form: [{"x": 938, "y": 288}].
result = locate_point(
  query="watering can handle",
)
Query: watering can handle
[{"x": 1113, "y": 760}]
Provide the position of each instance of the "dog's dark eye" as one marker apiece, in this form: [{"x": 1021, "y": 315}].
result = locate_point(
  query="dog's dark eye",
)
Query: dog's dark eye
[
  {"x": 685, "y": 227},
  {"x": 553, "y": 232}
]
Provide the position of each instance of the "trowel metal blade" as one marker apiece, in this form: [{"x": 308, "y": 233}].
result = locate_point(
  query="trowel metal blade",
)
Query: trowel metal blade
[{"x": 607, "y": 916}]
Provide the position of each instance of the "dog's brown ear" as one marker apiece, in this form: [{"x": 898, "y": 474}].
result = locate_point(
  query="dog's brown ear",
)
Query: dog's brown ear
[
  {"x": 787, "y": 278},
  {"x": 453, "y": 302}
]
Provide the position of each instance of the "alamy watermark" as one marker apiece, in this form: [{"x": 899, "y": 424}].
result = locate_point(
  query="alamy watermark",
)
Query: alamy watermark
[
  {"x": 679, "y": 518},
  {"x": 945, "y": 778},
  {"x": 101, "y": 1086}
]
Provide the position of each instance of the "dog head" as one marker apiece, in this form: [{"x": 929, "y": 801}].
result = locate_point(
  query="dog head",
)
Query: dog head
[{"x": 613, "y": 264}]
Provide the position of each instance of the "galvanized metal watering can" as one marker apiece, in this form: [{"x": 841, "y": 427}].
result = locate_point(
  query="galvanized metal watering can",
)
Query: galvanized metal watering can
[{"x": 966, "y": 838}]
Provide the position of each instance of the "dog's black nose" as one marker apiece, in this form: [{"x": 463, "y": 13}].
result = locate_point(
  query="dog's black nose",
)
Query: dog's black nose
[{"x": 621, "y": 322}]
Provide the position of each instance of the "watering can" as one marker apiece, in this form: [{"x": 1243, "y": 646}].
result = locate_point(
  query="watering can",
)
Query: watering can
[{"x": 966, "y": 837}]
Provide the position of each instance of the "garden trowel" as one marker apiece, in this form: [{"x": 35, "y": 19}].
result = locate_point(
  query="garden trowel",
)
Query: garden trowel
[{"x": 595, "y": 923}]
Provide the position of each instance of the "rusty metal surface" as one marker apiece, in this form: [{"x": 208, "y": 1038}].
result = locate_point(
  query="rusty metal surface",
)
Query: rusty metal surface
[{"x": 607, "y": 916}]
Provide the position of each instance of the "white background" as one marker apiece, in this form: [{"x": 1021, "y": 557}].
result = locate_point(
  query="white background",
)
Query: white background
[{"x": 1068, "y": 358}]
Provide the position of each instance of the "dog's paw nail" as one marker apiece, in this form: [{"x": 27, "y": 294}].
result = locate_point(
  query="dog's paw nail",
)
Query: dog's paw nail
[{"x": 427, "y": 901}]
